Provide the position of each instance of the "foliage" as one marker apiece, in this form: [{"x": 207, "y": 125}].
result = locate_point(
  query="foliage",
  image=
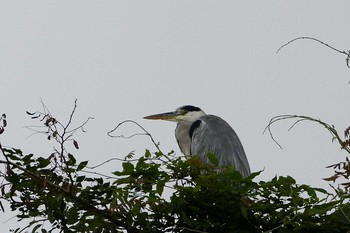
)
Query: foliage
[{"x": 157, "y": 192}]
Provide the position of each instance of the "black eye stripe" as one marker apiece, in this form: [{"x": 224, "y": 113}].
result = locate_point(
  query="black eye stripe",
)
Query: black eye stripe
[{"x": 190, "y": 108}]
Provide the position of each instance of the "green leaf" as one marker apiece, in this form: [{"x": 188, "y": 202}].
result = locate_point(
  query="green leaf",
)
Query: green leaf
[
  {"x": 135, "y": 210},
  {"x": 122, "y": 181},
  {"x": 28, "y": 159},
  {"x": 72, "y": 216},
  {"x": 128, "y": 167},
  {"x": 43, "y": 162},
  {"x": 80, "y": 179},
  {"x": 72, "y": 160},
  {"x": 82, "y": 165},
  {"x": 12, "y": 156},
  {"x": 160, "y": 187},
  {"x": 213, "y": 159},
  {"x": 76, "y": 145},
  {"x": 147, "y": 154},
  {"x": 185, "y": 218}
]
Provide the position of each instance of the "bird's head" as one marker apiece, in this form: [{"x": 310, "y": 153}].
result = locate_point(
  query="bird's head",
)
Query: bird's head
[{"x": 187, "y": 113}]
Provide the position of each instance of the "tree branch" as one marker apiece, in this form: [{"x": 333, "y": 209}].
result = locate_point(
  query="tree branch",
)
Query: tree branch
[
  {"x": 146, "y": 133},
  {"x": 330, "y": 128},
  {"x": 347, "y": 53}
]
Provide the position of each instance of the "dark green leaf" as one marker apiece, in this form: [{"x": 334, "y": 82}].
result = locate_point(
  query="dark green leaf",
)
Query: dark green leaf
[
  {"x": 160, "y": 187},
  {"x": 80, "y": 179},
  {"x": 72, "y": 215},
  {"x": 72, "y": 160},
  {"x": 82, "y": 165},
  {"x": 147, "y": 153},
  {"x": 213, "y": 159},
  {"x": 128, "y": 167},
  {"x": 29, "y": 113},
  {"x": 76, "y": 145},
  {"x": 43, "y": 162}
]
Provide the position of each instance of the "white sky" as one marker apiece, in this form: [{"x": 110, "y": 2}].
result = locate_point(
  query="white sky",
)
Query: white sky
[{"x": 127, "y": 59}]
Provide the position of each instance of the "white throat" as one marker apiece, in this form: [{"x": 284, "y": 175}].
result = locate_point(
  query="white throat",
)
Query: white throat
[{"x": 191, "y": 116}]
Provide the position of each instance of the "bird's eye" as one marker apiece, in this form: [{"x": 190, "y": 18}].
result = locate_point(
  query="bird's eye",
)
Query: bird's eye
[{"x": 182, "y": 111}]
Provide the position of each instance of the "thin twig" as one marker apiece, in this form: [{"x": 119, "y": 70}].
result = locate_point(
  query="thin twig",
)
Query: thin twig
[
  {"x": 314, "y": 39},
  {"x": 268, "y": 128},
  {"x": 345, "y": 215},
  {"x": 100, "y": 174},
  {"x": 192, "y": 230},
  {"x": 347, "y": 53},
  {"x": 109, "y": 160},
  {"x": 281, "y": 225},
  {"x": 146, "y": 133},
  {"x": 330, "y": 128},
  {"x": 81, "y": 126}
]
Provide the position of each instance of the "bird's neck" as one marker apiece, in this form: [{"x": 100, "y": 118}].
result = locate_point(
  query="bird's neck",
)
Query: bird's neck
[{"x": 183, "y": 137}]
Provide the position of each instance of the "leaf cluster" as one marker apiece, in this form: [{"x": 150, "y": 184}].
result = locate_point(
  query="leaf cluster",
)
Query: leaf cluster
[
  {"x": 158, "y": 192},
  {"x": 198, "y": 198}
]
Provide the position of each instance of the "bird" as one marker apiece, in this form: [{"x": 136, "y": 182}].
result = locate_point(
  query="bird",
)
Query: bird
[{"x": 197, "y": 134}]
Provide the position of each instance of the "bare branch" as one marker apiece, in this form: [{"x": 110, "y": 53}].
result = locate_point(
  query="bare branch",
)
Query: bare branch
[
  {"x": 81, "y": 126},
  {"x": 347, "y": 53},
  {"x": 71, "y": 115},
  {"x": 268, "y": 127},
  {"x": 311, "y": 38},
  {"x": 54, "y": 128},
  {"x": 281, "y": 225},
  {"x": 299, "y": 119},
  {"x": 109, "y": 160},
  {"x": 146, "y": 133},
  {"x": 99, "y": 174},
  {"x": 191, "y": 230}
]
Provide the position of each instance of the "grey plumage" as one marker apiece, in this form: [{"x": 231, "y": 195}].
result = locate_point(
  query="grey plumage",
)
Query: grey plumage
[
  {"x": 198, "y": 133},
  {"x": 215, "y": 135}
]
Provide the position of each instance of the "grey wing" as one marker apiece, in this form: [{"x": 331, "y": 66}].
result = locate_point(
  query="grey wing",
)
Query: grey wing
[{"x": 215, "y": 135}]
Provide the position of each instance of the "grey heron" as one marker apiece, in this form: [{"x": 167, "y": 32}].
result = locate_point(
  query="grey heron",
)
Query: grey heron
[{"x": 198, "y": 133}]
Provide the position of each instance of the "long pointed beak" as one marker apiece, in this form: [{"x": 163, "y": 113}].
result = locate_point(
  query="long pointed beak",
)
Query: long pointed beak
[{"x": 168, "y": 116}]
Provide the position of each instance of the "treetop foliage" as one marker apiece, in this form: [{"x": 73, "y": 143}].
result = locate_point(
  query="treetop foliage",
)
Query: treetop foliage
[
  {"x": 162, "y": 192},
  {"x": 156, "y": 192}
]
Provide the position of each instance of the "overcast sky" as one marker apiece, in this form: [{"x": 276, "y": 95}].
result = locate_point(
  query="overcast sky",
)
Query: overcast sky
[{"x": 127, "y": 59}]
